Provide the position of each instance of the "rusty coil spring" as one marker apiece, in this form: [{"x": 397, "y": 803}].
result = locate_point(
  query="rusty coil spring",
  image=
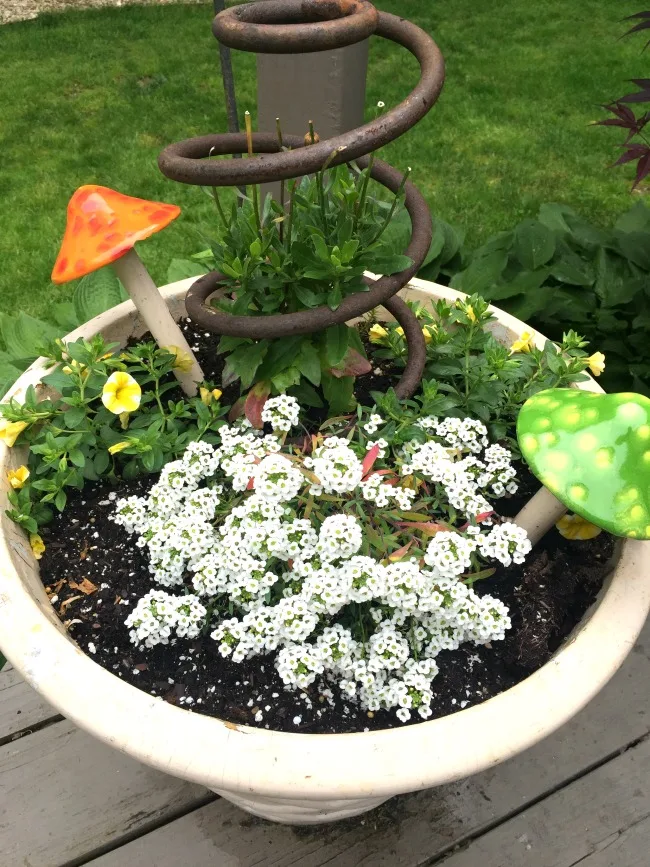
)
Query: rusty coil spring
[{"x": 297, "y": 26}]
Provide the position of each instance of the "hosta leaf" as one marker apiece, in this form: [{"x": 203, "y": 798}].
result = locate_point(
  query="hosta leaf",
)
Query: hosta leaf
[
  {"x": 97, "y": 292},
  {"x": 534, "y": 244},
  {"x": 181, "y": 269}
]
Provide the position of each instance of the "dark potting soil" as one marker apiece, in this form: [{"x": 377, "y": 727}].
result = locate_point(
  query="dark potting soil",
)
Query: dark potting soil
[{"x": 94, "y": 574}]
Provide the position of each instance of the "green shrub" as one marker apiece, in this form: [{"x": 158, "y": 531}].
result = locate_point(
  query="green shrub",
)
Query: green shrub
[{"x": 558, "y": 272}]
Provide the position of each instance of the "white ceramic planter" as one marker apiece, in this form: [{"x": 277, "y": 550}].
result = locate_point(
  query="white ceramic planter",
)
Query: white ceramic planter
[{"x": 300, "y": 778}]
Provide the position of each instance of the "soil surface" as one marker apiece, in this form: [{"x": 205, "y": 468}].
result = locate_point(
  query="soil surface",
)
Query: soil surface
[{"x": 94, "y": 574}]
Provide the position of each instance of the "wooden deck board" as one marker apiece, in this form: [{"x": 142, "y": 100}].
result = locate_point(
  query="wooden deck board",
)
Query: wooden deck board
[
  {"x": 21, "y": 709},
  {"x": 631, "y": 848},
  {"x": 574, "y": 826},
  {"x": 64, "y": 794},
  {"x": 413, "y": 829}
]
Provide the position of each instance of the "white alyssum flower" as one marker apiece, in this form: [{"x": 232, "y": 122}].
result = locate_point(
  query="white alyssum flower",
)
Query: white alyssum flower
[
  {"x": 245, "y": 529},
  {"x": 282, "y": 412}
]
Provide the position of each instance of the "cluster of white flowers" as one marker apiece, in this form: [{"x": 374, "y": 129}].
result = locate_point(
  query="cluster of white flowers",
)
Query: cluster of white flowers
[
  {"x": 463, "y": 479},
  {"x": 157, "y": 613},
  {"x": 231, "y": 522},
  {"x": 281, "y": 412}
]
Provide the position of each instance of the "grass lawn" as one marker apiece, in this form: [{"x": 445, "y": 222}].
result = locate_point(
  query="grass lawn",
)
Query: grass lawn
[{"x": 92, "y": 97}]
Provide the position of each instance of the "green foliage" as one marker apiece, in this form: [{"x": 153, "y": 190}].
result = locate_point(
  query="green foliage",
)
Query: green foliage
[
  {"x": 311, "y": 253},
  {"x": 73, "y": 438},
  {"x": 560, "y": 269},
  {"x": 26, "y": 338},
  {"x": 471, "y": 374}
]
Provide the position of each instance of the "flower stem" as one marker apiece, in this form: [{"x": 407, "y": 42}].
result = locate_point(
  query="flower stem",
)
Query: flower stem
[
  {"x": 249, "y": 142},
  {"x": 388, "y": 219}
]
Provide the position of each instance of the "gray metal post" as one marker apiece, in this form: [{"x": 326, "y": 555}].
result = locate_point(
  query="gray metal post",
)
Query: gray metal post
[{"x": 328, "y": 87}]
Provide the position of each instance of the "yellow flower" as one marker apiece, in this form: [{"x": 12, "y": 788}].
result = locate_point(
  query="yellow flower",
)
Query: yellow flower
[
  {"x": 469, "y": 312},
  {"x": 377, "y": 334},
  {"x": 525, "y": 343},
  {"x": 11, "y": 430},
  {"x": 118, "y": 447},
  {"x": 121, "y": 393},
  {"x": 183, "y": 361},
  {"x": 17, "y": 478},
  {"x": 37, "y": 544},
  {"x": 76, "y": 367},
  {"x": 428, "y": 335},
  {"x": 596, "y": 363},
  {"x": 399, "y": 330},
  {"x": 208, "y": 396},
  {"x": 574, "y": 527}
]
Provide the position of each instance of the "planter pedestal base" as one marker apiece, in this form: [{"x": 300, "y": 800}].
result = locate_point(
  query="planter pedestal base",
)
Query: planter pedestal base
[{"x": 300, "y": 811}]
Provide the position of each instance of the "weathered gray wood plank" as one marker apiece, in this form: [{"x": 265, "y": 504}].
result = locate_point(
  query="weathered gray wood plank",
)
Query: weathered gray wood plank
[
  {"x": 573, "y": 825},
  {"x": 628, "y": 849},
  {"x": 21, "y": 708},
  {"x": 413, "y": 829},
  {"x": 64, "y": 794}
]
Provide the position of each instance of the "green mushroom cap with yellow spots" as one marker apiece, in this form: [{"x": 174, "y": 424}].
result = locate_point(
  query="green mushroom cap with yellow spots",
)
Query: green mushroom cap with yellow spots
[{"x": 592, "y": 451}]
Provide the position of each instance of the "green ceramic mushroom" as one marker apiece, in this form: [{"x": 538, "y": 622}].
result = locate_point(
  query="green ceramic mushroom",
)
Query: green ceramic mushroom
[{"x": 591, "y": 451}]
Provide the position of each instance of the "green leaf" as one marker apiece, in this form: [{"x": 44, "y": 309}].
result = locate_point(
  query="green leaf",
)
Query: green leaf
[
  {"x": 534, "y": 244},
  {"x": 73, "y": 417},
  {"x": 306, "y": 394},
  {"x": 181, "y": 269},
  {"x": 576, "y": 273},
  {"x": 553, "y": 217},
  {"x": 65, "y": 316},
  {"x": 637, "y": 219},
  {"x": 524, "y": 282},
  {"x": 281, "y": 355},
  {"x": 390, "y": 264},
  {"x": 285, "y": 379},
  {"x": 483, "y": 273},
  {"x": 336, "y": 344},
  {"x": 60, "y": 500},
  {"x": 97, "y": 292},
  {"x": 25, "y": 336},
  {"x": 245, "y": 361},
  {"x": 101, "y": 462},
  {"x": 453, "y": 242},
  {"x": 77, "y": 457},
  {"x": 8, "y": 375},
  {"x": 635, "y": 246},
  {"x": 308, "y": 362},
  {"x": 338, "y": 393}
]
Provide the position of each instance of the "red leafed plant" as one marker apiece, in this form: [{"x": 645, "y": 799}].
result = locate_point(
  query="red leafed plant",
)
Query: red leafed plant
[{"x": 636, "y": 145}]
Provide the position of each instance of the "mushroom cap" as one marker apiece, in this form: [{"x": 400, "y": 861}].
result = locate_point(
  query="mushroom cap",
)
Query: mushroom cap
[
  {"x": 592, "y": 451},
  {"x": 103, "y": 225}
]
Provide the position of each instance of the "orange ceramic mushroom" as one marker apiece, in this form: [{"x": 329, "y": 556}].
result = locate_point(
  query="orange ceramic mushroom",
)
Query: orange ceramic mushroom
[{"x": 103, "y": 225}]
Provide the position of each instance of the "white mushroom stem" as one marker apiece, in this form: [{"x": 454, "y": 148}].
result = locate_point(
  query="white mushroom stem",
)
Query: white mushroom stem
[
  {"x": 540, "y": 514},
  {"x": 155, "y": 313}
]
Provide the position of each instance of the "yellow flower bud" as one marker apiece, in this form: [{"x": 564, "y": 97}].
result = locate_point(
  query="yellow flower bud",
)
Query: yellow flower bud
[
  {"x": 124, "y": 420},
  {"x": 377, "y": 334},
  {"x": 469, "y": 312},
  {"x": 17, "y": 478},
  {"x": 399, "y": 330},
  {"x": 428, "y": 337},
  {"x": 596, "y": 363},
  {"x": 11, "y": 430},
  {"x": 37, "y": 545},
  {"x": 118, "y": 447},
  {"x": 208, "y": 396}
]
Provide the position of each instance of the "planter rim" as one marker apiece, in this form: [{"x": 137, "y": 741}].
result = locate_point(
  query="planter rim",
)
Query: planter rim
[{"x": 243, "y": 759}]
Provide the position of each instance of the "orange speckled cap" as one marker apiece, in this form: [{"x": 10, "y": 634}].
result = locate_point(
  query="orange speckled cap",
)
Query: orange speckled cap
[{"x": 103, "y": 225}]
